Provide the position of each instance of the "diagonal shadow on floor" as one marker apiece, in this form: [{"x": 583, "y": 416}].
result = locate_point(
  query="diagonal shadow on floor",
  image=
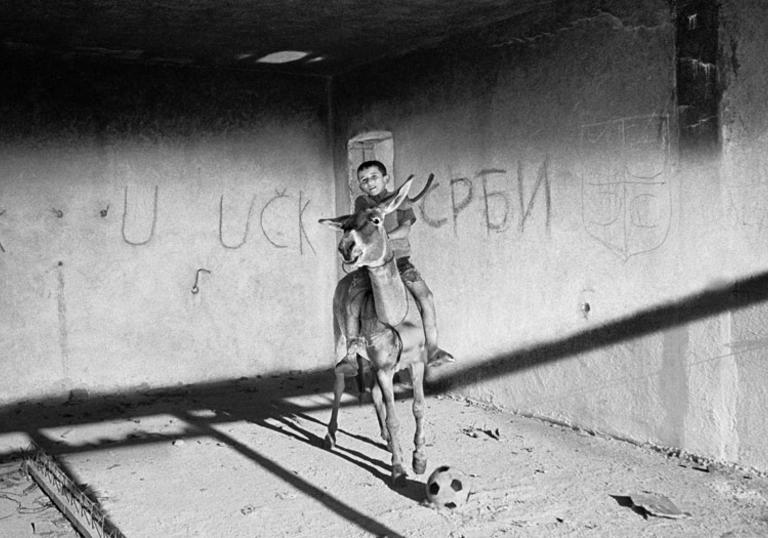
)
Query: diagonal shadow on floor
[
  {"x": 412, "y": 489},
  {"x": 348, "y": 512}
]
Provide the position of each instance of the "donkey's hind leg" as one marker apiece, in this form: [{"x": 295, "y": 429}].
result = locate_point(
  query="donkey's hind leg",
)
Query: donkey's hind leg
[
  {"x": 419, "y": 455},
  {"x": 338, "y": 389},
  {"x": 362, "y": 368}
]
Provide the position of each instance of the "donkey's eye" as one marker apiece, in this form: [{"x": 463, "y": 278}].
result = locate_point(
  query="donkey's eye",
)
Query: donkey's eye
[{"x": 375, "y": 220}]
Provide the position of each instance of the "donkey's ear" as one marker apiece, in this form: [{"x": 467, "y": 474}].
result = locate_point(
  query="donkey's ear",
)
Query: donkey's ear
[
  {"x": 336, "y": 223},
  {"x": 394, "y": 201}
]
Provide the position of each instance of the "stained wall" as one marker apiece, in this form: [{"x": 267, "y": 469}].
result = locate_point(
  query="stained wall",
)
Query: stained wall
[
  {"x": 123, "y": 186},
  {"x": 586, "y": 268},
  {"x": 584, "y": 265}
]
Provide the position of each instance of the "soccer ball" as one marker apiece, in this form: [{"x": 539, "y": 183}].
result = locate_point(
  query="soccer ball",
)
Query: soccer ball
[{"x": 447, "y": 487}]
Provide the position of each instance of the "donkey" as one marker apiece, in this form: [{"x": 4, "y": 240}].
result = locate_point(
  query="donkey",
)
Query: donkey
[{"x": 390, "y": 323}]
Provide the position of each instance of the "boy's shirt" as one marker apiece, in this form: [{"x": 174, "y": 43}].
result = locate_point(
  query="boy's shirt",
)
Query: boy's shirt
[{"x": 401, "y": 247}]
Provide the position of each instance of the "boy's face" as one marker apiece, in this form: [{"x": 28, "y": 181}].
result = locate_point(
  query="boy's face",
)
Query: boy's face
[{"x": 371, "y": 181}]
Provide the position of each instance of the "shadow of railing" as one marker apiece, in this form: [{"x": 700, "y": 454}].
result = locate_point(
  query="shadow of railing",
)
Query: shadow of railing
[
  {"x": 241, "y": 400},
  {"x": 52, "y": 412},
  {"x": 31, "y": 416},
  {"x": 348, "y": 512},
  {"x": 717, "y": 300}
]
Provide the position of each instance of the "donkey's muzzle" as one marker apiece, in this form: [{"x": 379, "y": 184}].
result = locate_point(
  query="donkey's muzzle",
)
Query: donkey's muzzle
[{"x": 349, "y": 254}]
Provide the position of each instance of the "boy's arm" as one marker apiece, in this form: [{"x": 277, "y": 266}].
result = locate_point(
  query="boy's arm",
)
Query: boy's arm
[
  {"x": 401, "y": 232},
  {"x": 405, "y": 219}
]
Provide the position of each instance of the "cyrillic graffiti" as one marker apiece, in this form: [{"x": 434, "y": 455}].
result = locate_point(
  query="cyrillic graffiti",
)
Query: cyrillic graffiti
[{"x": 498, "y": 212}]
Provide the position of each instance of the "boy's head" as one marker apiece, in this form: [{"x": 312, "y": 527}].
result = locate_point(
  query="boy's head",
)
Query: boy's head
[{"x": 372, "y": 178}]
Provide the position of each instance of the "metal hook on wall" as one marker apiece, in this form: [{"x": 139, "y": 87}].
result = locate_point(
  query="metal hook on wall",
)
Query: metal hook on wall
[{"x": 195, "y": 288}]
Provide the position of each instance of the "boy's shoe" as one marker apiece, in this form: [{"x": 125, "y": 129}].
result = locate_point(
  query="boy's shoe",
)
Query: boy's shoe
[
  {"x": 439, "y": 357},
  {"x": 347, "y": 366}
]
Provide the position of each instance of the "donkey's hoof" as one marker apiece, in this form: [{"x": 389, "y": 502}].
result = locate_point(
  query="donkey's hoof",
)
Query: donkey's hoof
[
  {"x": 398, "y": 477},
  {"x": 419, "y": 463},
  {"x": 439, "y": 357},
  {"x": 329, "y": 443}
]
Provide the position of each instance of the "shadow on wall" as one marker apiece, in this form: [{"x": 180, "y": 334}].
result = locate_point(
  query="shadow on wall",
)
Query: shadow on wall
[
  {"x": 725, "y": 298},
  {"x": 732, "y": 296},
  {"x": 246, "y": 398}
]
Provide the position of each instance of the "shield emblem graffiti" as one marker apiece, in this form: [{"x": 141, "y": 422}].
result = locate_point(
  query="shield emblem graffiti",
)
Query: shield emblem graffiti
[{"x": 626, "y": 197}]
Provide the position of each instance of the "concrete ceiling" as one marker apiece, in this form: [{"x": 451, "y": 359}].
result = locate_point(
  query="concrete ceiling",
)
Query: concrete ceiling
[{"x": 337, "y": 34}]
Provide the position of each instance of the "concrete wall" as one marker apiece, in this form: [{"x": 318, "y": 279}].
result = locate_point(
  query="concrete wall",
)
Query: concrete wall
[
  {"x": 744, "y": 193},
  {"x": 560, "y": 185},
  {"x": 118, "y": 183}
]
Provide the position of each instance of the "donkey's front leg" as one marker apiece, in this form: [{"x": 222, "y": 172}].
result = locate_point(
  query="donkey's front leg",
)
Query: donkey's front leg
[
  {"x": 384, "y": 378},
  {"x": 381, "y": 412},
  {"x": 419, "y": 455},
  {"x": 338, "y": 389}
]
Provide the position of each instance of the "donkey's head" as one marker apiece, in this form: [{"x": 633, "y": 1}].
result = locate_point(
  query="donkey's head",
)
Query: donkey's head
[{"x": 364, "y": 240}]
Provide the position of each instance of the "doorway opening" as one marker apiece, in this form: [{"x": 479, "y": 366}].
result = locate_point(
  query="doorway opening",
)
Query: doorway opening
[{"x": 373, "y": 145}]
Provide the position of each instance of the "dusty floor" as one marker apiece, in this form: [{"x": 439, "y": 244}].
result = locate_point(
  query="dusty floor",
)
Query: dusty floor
[
  {"x": 25, "y": 510},
  {"x": 247, "y": 462}
]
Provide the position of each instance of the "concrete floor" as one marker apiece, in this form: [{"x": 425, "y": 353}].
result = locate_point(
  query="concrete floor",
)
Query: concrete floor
[{"x": 244, "y": 459}]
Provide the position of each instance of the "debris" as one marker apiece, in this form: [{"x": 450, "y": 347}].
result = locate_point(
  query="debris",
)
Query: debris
[
  {"x": 178, "y": 442},
  {"x": 43, "y": 527},
  {"x": 474, "y": 431},
  {"x": 247, "y": 509},
  {"x": 77, "y": 395},
  {"x": 657, "y": 505}
]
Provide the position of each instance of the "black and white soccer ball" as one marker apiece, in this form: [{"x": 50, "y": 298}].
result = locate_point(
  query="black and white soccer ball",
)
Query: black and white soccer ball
[{"x": 447, "y": 487}]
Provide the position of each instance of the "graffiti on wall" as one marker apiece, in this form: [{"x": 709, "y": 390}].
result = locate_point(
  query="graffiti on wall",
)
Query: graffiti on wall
[
  {"x": 151, "y": 233},
  {"x": 626, "y": 196},
  {"x": 274, "y": 222},
  {"x": 499, "y": 206},
  {"x": 280, "y": 216},
  {"x": 247, "y": 224}
]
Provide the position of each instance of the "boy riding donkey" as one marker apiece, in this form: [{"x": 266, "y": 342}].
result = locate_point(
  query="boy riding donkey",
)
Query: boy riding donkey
[{"x": 374, "y": 182}]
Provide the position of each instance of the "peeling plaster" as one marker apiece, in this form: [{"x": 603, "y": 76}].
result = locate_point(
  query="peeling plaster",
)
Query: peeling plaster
[{"x": 615, "y": 21}]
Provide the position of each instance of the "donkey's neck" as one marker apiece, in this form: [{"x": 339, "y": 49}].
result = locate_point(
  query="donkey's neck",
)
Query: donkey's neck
[{"x": 389, "y": 293}]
